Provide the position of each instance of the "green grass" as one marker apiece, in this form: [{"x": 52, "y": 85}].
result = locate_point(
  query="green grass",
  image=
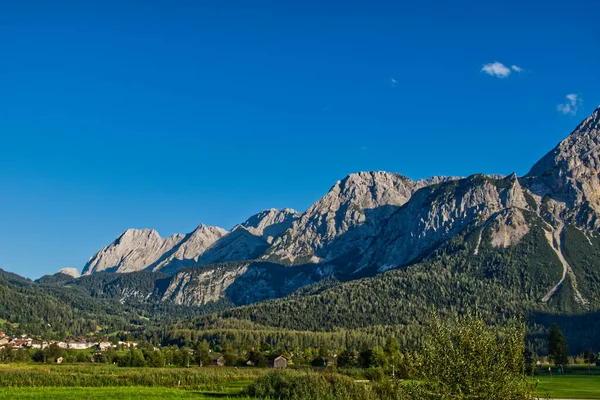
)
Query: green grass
[
  {"x": 570, "y": 387},
  {"x": 203, "y": 383},
  {"x": 576, "y": 384},
  {"x": 122, "y": 393}
]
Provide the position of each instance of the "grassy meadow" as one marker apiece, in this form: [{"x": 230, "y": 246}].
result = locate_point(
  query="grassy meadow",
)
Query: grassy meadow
[
  {"x": 578, "y": 383},
  {"x": 109, "y": 393},
  {"x": 94, "y": 381}
]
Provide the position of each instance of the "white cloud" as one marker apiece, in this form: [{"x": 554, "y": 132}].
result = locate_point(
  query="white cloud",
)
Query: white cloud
[
  {"x": 496, "y": 69},
  {"x": 516, "y": 68},
  {"x": 571, "y": 106},
  {"x": 393, "y": 82}
]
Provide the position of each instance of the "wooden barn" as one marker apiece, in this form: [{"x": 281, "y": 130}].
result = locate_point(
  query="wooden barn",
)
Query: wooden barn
[{"x": 277, "y": 361}]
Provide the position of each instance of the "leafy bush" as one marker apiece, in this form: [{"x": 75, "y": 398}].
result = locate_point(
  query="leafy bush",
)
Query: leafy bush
[
  {"x": 309, "y": 386},
  {"x": 470, "y": 360}
]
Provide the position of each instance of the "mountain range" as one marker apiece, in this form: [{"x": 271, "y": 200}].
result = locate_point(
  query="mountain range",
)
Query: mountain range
[
  {"x": 376, "y": 253},
  {"x": 372, "y": 222}
]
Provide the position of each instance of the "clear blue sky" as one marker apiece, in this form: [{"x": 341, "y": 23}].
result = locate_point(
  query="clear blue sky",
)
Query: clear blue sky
[{"x": 167, "y": 114}]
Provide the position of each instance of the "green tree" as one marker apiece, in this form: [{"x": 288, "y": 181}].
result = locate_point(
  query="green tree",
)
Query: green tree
[
  {"x": 379, "y": 358},
  {"x": 202, "y": 354},
  {"x": 365, "y": 356},
  {"x": 558, "y": 348},
  {"x": 392, "y": 352},
  {"x": 53, "y": 352},
  {"x": 467, "y": 359}
]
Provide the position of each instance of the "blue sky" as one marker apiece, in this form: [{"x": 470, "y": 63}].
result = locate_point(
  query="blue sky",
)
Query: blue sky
[{"x": 167, "y": 114}]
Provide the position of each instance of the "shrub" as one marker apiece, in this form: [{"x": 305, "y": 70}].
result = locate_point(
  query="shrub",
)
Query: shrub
[
  {"x": 470, "y": 360},
  {"x": 310, "y": 386}
]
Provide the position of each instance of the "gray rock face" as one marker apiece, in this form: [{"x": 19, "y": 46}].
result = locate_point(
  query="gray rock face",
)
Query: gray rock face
[
  {"x": 569, "y": 176},
  {"x": 73, "y": 272},
  {"x": 238, "y": 282},
  {"x": 508, "y": 228},
  {"x": 136, "y": 250},
  {"x": 352, "y": 211},
  {"x": 269, "y": 224},
  {"x": 437, "y": 213},
  {"x": 198, "y": 288}
]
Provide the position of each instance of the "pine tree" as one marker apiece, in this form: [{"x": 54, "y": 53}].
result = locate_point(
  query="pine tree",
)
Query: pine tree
[{"x": 558, "y": 347}]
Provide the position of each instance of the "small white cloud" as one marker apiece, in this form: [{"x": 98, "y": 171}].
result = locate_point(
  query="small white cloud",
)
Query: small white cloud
[
  {"x": 496, "y": 69},
  {"x": 516, "y": 68},
  {"x": 393, "y": 82},
  {"x": 571, "y": 106},
  {"x": 364, "y": 148}
]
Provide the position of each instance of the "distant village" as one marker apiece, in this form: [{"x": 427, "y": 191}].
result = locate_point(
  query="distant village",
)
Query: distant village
[{"x": 18, "y": 342}]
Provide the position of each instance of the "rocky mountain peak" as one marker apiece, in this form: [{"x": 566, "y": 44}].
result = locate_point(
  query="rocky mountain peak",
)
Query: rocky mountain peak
[
  {"x": 569, "y": 176},
  {"x": 138, "y": 234},
  {"x": 270, "y": 223},
  {"x": 371, "y": 189},
  {"x": 209, "y": 230},
  {"x": 591, "y": 123},
  {"x": 346, "y": 217}
]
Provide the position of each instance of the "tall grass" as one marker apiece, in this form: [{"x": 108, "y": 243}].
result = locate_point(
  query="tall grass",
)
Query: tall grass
[
  {"x": 283, "y": 385},
  {"x": 109, "y": 376}
]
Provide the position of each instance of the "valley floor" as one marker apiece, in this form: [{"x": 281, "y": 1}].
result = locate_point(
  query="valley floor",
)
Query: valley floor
[
  {"x": 23, "y": 382},
  {"x": 106, "y": 393}
]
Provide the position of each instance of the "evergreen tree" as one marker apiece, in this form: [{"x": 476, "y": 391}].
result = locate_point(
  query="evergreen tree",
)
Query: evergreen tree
[{"x": 558, "y": 348}]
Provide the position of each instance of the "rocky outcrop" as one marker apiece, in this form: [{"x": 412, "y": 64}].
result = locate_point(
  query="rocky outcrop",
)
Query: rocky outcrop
[
  {"x": 189, "y": 250},
  {"x": 72, "y": 272},
  {"x": 237, "y": 283},
  {"x": 351, "y": 212},
  {"x": 568, "y": 177},
  {"x": 508, "y": 228},
  {"x": 199, "y": 287},
  {"x": 136, "y": 250},
  {"x": 437, "y": 213},
  {"x": 269, "y": 224}
]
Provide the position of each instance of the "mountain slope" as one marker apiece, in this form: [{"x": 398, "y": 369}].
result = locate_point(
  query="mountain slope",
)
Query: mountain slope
[
  {"x": 437, "y": 213},
  {"x": 371, "y": 222},
  {"x": 567, "y": 178},
  {"x": 271, "y": 223},
  {"x": 349, "y": 213}
]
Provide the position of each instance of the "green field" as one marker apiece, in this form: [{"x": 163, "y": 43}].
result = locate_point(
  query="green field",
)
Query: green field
[
  {"x": 576, "y": 384},
  {"x": 93, "y": 381},
  {"x": 122, "y": 393}
]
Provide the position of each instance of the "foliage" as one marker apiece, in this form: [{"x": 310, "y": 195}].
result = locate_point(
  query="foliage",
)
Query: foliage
[
  {"x": 91, "y": 375},
  {"x": 283, "y": 385},
  {"x": 558, "y": 348},
  {"x": 469, "y": 360}
]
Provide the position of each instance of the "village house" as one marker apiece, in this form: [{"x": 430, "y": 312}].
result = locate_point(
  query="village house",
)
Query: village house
[
  {"x": 128, "y": 344},
  {"x": 80, "y": 345},
  {"x": 103, "y": 346},
  {"x": 277, "y": 361},
  {"x": 18, "y": 343},
  {"x": 36, "y": 344},
  {"x": 218, "y": 360}
]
